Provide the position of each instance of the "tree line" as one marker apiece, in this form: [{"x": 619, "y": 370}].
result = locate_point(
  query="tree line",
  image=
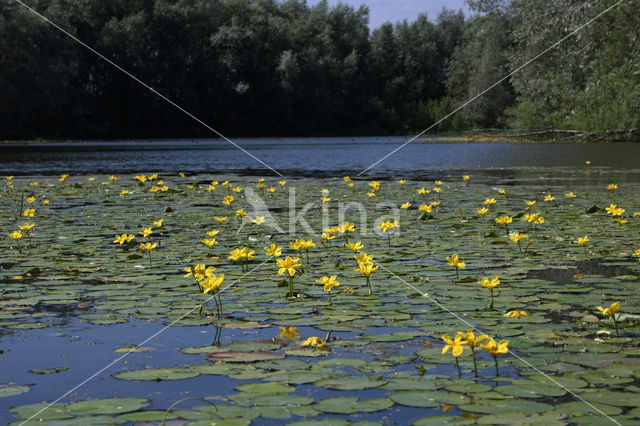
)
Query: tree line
[{"x": 284, "y": 68}]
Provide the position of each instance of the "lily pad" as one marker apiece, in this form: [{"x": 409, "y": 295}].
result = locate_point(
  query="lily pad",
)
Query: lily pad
[{"x": 351, "y": 404}]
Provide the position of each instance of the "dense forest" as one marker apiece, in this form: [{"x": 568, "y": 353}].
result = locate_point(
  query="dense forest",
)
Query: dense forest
[{"x": 284, "y": 68}]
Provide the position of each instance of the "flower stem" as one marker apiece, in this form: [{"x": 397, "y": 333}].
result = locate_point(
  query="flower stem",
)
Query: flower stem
[
  {"x": 458, "y": 365},
  {"x": 495, "y": 358},
  {"x": 475, "y": 366}
]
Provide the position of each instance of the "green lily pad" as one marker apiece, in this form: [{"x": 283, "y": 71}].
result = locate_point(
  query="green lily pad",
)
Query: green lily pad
[
  {"x": 108, "y": 405},
  {"x": 351, "y": 404},
  {"x": 242, "y": 356},
  {"x": 265, "y": 388},
  {"x": 9, "y": 390},
  {"x": 351, "y": 383},
  {"x": 157, "y": 374}
]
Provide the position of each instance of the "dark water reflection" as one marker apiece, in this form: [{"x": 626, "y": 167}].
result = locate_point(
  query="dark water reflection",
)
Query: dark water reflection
[{"x": 330, "y": 156}]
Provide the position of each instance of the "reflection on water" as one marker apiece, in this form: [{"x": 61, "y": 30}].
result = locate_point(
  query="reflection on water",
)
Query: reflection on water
[
  {"x": 333, "y": 156},
  {"x": 591, "y": 267}
]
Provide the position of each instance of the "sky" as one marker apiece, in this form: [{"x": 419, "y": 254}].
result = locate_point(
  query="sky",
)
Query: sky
[{"x": 396, "y": 10}]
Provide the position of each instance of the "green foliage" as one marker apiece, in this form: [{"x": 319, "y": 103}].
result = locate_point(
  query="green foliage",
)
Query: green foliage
[{"x": 284, "y": 68}]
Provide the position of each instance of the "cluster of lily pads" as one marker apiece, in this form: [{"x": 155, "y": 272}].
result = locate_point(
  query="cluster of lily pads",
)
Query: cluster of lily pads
[{"x": 549, "y": 263}]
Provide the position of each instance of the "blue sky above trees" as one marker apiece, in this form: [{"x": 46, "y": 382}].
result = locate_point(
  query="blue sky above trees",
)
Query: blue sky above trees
[{"x": 396, "y": 10}]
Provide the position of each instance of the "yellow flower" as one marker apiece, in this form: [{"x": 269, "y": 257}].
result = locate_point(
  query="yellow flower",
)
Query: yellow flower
[
  {"x": 516, "y": 314},
  {"x": 355, "y": 246},
  {"x": 582, "y": 240},
  {"x": 235, "y": 254},
  {"x": 570, "y": 195},
  {"x": 375, "y": 185},
  {"x": 388, "y": 225},
  {"x": 470, "y": 338},
  {"x": 346, "y": 227},
  {"x": 290, "y": 333},
  {"x": 31, "y": 199},
  {"x": 289, "y": 265},
  {"x": 405, "y": 205},
  {"x": 456, "y": 345},
  {"x": 611, "y": 310},
  {"x": 425, "y": 208},
  {"x": 612, "y": 187},
  {"x": 259, "y": 220},
  {"x": 482, "y": 211},
  {"x": 282, "y": 182},
  {"x": 271, "y": 189},
  {"x": 63, "y": 177},
  {"x": 455, "y": 261},
  {"x": 587, "y": 162},
  {"x": 364, "y": 257},
  {"x": 438, "y": 182},
  {"x": 502, "y": 347},
  {"x": 220, "y": 219},
  {"x": 502, "y": 191},
  {"x": 124, "y": 238},
  {"x": 29, "y": 212},
  {"x": 329, "y": 282},
  {"x": 45, "y": 202},
  {"x": 240, "y": 212},
  {"x": 517, "y": 237},
  {"x": 16, "y": 235},
  {"x": 146, "y": 232},
  {"x": 213, "y": 233},
  {"x": 212, "y": 283},
  {"x": 314, "y": 341},
  {"x": 325, "y": 199},
  {"x": 402, "y": 181},
  {"x": 199, "y": 271},
  {"x": 504, "y": 220},
  {"x": 346, "y": 179},
  {"x": 153, "y": 176},
  {"x": 465, "y": 178},
  {"x": 158, "y": 223},
  {"x": 371, "y": 194},
  {"x": 147, "y": 246},
  {"x": 350, "y": 184},
  {"x": 297, "y": 245},
  {"x": 366, "y": 268},
  {"x": 209, "y": 242},
  {"x": 113, "y": 178},
  {"x": 141, "y": 178},
  {"x": 423, "y": 191},
  {"x": 489, "y": 283},
  {"x": 549, "y": 197},
  {"x": 530, "y": 203},
  {"x": 489, "y": 201},
  {"x": 124, "y": 192},
  {"x": 273, "y": 250},
  {"x": 27, "y": 227},
  {"x": 437, "y": 189}
]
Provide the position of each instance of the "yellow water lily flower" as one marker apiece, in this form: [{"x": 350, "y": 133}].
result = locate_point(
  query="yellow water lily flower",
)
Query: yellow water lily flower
[
  {"x": 27, "y": 227},
  {"x": 465, "y": 178},
  {"x": 357, "y": 246},
  {"x": 489, "y": 283},
  {"x": 489, "y": 201},
  {"x": 581, "y": 240},
  {"x": 366, "y": 268},
  {"x": 455, "y": 261},
  {"x": 141, "y": 178},
  {"x": 282, "y": 182},
  {"x": 363, "y": 257},
  {"x": 146, "y": 232},
  {"x": 63, "y": 177},
  {"x": 209, "y": 242},
  {"x": 612, "y": 186},
  {"x": 517, "y": 237},
  {"x": 502, "y": 191},
  {"x": 315, "y": 342},
  {"x": 329, "y": 282},
  {"x": 258, "y": 220},
  {"x": 220, "y": 219},
  {"x": 549, "y": 197},
  {"x": 482, "y": 211},
  {"x": 405, "y": 205},
  {"x": 273, "y": 250},
  {"x": 530, "y": 203},
  {"x": 375, "y": 185},
  {"x": 570, "y": 195},
  {"x": 158, "y": 223},
  {"x": 427, "y": 208},
  {"x": 346, "y": 179},
  {"x": 199, "y": 271},
  {"x": 388, "y": 225},
  {"x": 124, "y": 238},
  {"x": 504, "y": 220},
  {"x": 288, "y": 265},
  {"x": 402, "y": 181},
  {"x": 147, "y": 246},
  {"x": 212, "y": 283},
  {"x": 290, "y": 333},
  {"x": 494, "y": 349},
  {"x": 29, "y": 213},
  {"x": 516, "y": 314},
  {"x": 31, "y": 199},
  {"x": 611, "y": 310},
  {"x": 240, "y": 212},
  {"x": 16, "y": 235}
]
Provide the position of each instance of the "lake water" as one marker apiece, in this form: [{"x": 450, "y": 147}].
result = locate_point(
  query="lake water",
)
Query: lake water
[{"x": 331, "y": 156}]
